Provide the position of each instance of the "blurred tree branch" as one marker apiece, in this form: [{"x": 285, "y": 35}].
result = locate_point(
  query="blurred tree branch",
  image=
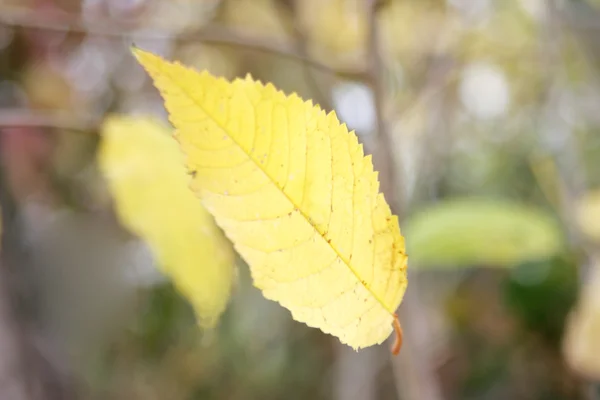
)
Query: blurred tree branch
[
  {"x": 381, "y": 149},
  {"x": 413, "y": 370},
  {"x": 62, "y": 22},
  {"x": 357, "y": 373},
  {"x": 22, "y": 117}
]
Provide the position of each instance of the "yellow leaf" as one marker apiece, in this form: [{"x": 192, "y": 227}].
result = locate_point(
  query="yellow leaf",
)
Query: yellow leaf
[
  {"x": 581, "y": 346},
  {"x": 588, "y": 215},
  {"x": 144, "y": 169},
  {"x": 338, "y": 33},
  {"x": 291, "y": 188},
  {"x": 255, "y": 17}
]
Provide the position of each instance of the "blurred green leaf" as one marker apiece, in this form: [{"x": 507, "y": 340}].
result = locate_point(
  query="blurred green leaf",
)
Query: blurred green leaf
[
  {"x": 480, "y": 232},
  {"x": 541, "y": 293}
]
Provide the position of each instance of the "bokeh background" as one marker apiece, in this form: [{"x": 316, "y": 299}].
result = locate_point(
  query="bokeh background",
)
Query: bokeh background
[{"x": 483, "y": 117}]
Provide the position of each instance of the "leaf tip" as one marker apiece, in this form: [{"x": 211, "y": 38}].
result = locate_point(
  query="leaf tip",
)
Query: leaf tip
[
  {"x": 135, "y": 50},
  {"x": 139, "y": 54},
  {"x": 145, "y": 58},
  {"x": 399, "y": 336}
]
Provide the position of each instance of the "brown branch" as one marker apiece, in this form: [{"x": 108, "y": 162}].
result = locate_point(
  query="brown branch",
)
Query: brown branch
[
  {"x": 412, "y": 367},
  {"x": 381, "y": 149},
  {"x": 22, "y": 117},
  {"x": 357, "y": 373},
  {"x": 62, "y": 22}
]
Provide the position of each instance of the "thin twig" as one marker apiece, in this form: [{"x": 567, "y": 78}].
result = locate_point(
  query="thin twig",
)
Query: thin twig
[
  {"x": 22, "y": 117},
  {"x": 19, "y": 16}
]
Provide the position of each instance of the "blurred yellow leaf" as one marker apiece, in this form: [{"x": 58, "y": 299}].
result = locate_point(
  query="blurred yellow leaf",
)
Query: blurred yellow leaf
[
  {"x": 336, "y": 30},
  {"x": 588, "y": 215},
  {"x": 411, "y": 30},
  {"x": 145, "y": 172},
  {"x": 258, "y": 17},
  {"x": 471, "y": 232},
  {"x": 291, "y": 188},
  {"x": 582, "y": 339}
]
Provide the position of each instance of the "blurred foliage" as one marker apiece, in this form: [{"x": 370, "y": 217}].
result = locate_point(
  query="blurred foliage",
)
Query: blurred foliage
[
  {"x": 474, "y": 94},
  {"x": 541, "y": 293},
  {"x": 508, "y": 327},
  {"x": 466, "y": 232},
  {"x": 163, "y": 355},
  {"x": 144, "y": 169}
]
